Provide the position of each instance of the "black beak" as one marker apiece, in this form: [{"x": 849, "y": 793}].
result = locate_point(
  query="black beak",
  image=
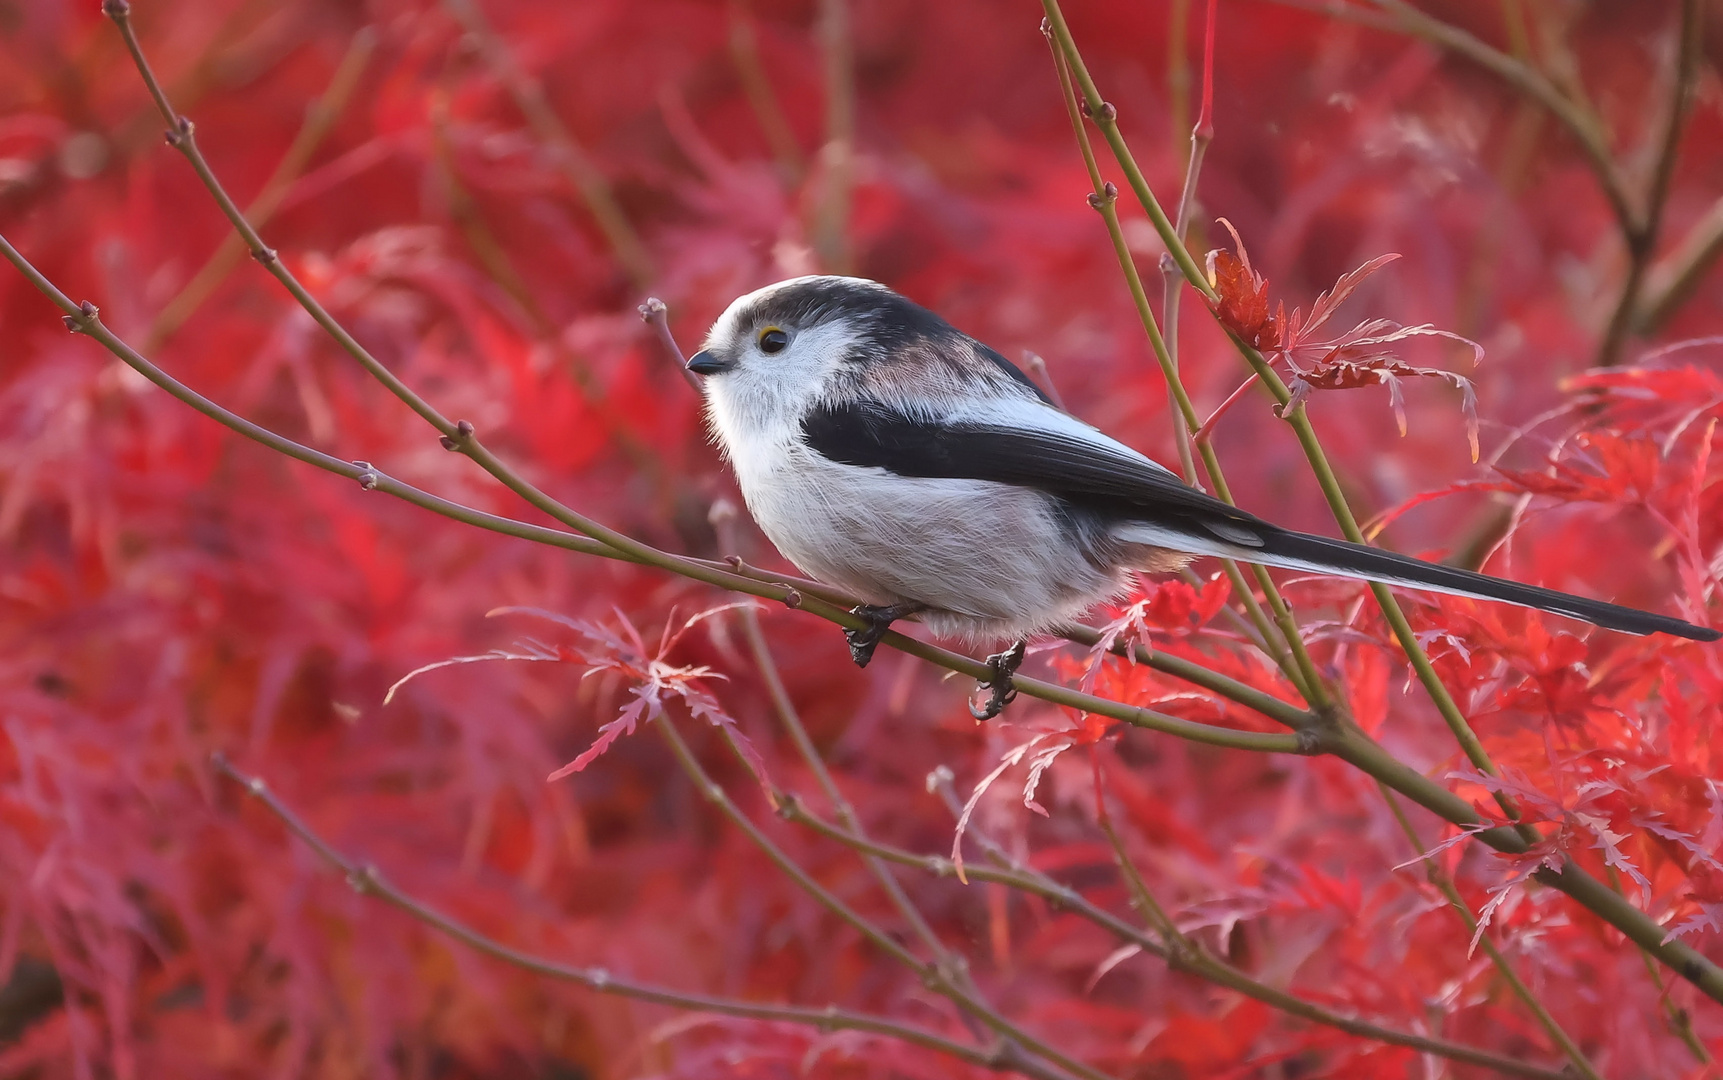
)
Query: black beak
[{"x": 704, "y": 363}]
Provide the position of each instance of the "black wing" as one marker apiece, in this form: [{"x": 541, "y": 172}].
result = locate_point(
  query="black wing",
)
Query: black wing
[{"x": 1086, "y": 473}]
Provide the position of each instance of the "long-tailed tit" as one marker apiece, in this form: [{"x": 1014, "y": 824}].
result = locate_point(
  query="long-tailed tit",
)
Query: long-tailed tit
[{"x": 887, "y": 453}]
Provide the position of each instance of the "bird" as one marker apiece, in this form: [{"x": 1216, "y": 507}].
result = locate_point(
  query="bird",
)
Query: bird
[{"x": 887, "y": 453}]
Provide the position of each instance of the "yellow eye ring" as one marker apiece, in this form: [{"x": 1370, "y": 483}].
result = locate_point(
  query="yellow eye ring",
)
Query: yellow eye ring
[{"x": 772, "y": 340}]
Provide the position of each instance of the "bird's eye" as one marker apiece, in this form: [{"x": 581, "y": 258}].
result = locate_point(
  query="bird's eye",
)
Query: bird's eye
[{"x": 773, "y": 340}]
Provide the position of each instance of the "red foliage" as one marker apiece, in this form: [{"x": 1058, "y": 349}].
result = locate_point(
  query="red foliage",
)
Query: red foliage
[{"x": 169, "y": 590}]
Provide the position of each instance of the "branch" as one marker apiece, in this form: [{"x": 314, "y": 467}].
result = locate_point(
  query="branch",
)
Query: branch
[
  {"x": 1106, "y": 117},
  {"x": 366, "y": 879},
  {"x": 1680, "y": 1023},
  {"x": 723, "y": 518},
  {"x": 1202, "y": 134}
]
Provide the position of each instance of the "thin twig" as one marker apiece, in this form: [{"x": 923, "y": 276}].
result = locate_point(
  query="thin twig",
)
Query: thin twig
[
  {"x": 1680, "y": 1024},
  {"x": 366, "y": 879},
  {"x": 1106, "y": 117},
  {"x": 1196, "y": 961},
  {"x": 655, "y": 314},
  {"x": 1172, "y": 292},
  {"x": 1179, "y": 947},
  {"x": 85, "y": 319},
  {"x": 319, "y": 120},
  {"x": 1243, "y": 694},
  {"x": 723, "y": 516},
  {"x": 585, "y": 177},
  {"x": 837, "y": 157}
]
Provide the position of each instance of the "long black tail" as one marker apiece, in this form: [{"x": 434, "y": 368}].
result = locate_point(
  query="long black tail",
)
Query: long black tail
[{"x": 1301, "y": 551}]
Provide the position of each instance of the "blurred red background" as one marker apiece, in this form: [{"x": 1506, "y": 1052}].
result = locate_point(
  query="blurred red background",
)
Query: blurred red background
[{"x": 168, "y": 589}]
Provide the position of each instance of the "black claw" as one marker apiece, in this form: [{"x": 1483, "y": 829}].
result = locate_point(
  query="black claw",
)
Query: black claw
[
  {"x": 1002, "y": 692},
  {"x": 863, "y": 642},
  {"x": 879, "y": 619}
]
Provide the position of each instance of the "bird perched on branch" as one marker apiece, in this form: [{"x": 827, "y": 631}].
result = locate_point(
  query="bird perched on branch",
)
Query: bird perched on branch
[{"x": 891, "y": 455}]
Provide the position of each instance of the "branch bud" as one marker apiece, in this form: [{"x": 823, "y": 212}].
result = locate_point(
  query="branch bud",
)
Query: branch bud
[{"x": 80, "y": 322}]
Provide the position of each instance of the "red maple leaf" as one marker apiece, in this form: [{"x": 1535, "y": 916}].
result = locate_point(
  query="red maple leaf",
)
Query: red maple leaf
[{"x": 1359, "y": 357}]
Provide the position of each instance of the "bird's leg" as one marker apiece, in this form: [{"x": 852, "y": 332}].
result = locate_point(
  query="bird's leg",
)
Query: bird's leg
[
  {"x": 1002, "y": 666},
  {"x": 879, "y": 620}
]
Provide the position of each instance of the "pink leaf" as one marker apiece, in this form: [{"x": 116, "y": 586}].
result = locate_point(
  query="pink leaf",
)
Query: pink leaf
[{"x": 1333, "y": 298}]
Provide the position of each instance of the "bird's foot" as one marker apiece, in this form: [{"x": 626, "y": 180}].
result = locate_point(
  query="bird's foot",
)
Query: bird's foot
[
  {"x": 1001, "y": 666},
  {"x": 879, "y": 620}
]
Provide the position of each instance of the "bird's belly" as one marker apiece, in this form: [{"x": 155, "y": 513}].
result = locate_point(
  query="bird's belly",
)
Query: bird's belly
[{"x": 991, "y": 560}]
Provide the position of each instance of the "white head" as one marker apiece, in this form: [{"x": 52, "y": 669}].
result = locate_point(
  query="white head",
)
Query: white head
[{"x": 778, "y": 351}]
